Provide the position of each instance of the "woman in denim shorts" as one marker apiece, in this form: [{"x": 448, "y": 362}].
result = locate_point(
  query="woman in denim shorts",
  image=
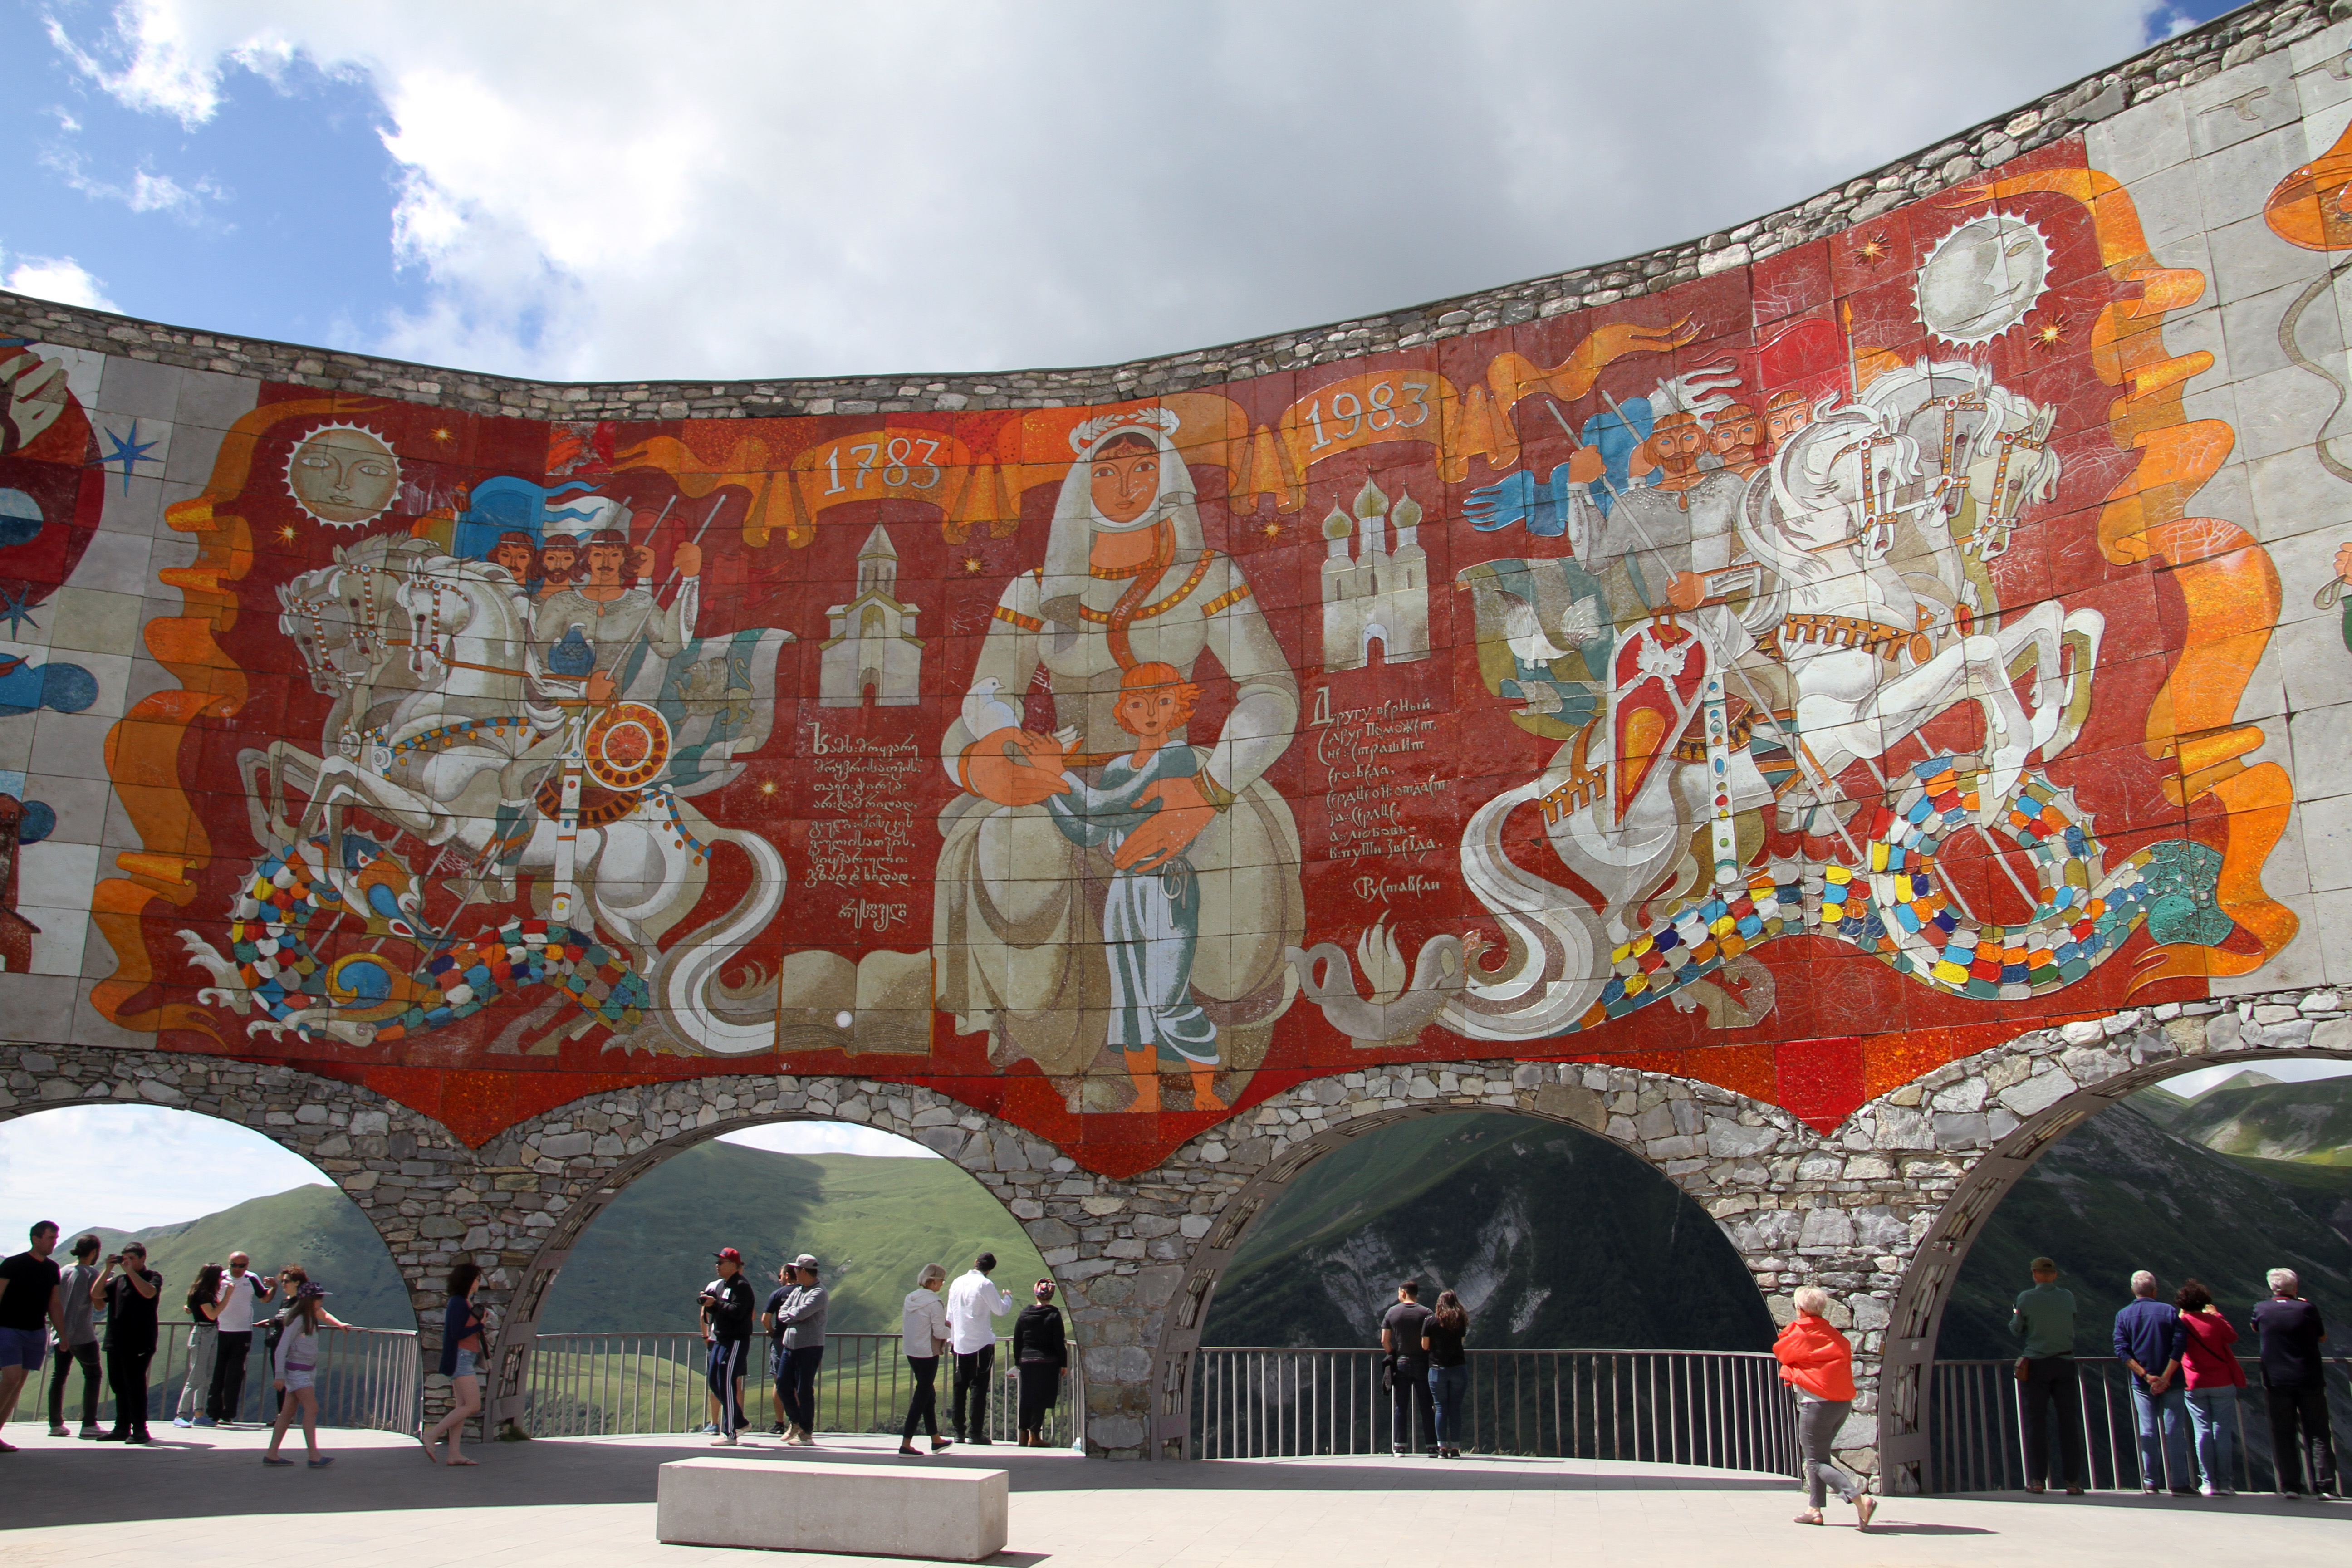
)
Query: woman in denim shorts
[{"x": 462, "y": 1349}]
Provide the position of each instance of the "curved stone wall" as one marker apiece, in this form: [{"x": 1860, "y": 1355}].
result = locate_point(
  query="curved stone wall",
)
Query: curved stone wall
[{"x": 1769, "y": 673}]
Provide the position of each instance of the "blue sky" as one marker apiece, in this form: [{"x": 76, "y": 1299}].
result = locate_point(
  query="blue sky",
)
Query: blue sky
[
  {"x": 272, "y": 217},
  {"x": 805, "y": 188}
]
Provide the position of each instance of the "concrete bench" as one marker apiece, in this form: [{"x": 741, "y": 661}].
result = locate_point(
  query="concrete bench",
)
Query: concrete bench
[{"x": 789, "y": 1505}]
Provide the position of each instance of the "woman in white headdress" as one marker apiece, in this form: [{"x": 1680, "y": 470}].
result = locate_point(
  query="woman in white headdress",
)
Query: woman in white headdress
[{"x": 1017, "y": 936}]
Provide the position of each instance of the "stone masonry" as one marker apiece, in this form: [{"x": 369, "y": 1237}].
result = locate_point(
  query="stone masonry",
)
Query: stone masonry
[{"x": 1880, "y": 1211}]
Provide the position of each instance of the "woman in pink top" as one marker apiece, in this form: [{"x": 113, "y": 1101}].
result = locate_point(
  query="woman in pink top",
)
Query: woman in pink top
[{"x": 2214, "y": 1378}]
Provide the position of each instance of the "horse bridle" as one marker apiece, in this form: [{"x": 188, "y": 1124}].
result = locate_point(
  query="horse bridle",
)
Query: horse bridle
[{"x": 435, "y": 643}]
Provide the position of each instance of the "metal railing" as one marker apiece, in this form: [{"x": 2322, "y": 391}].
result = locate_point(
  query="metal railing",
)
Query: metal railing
[
  {"x": 366, "y": 1377},
  {"x": 1721, "y": 1409},
  {"x": 1977, "y": 1427},
  {"x": 611, "y": 1385}
]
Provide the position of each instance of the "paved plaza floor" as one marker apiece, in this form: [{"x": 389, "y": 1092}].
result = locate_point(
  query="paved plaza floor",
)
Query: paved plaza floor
[{"x": 201, "y": 1500}]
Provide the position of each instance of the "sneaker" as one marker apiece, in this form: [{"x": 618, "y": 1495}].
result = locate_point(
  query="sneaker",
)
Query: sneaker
[
  {"x": 56, "y": 1430},
  {"x": 114, "y": 1436},
  {"x": 724, "y": 1440},
  {"x": 88, "y": 1434},
  {"x": 2207, "y": 1489},
  {"x": 204, "y": 1421},
  {"x": 182, "y": 1421},
  {"x": 779, "y": 1430}
]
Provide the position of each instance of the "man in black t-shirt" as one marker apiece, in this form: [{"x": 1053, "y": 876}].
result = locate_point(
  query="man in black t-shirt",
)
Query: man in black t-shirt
[
  {"x": 726, "y": 1307},
  {"x": 130, "y": 1300},
  {"x": 28, "y": 1303},
  {"x": 1408, "y": 1367},
  {"x": 2295, "y": 1387}
]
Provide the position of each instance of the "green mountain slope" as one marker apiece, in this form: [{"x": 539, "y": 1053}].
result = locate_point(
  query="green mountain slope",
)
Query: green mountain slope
[
  {"x": 2161, "y": 1105},
  {"x": 2257, "y": 1116},
  {"x": 1553, "y": 1238},
  {"x": 873, "y": 1222},
  {"x": 2120, "y": 1193},
  {"x": 315, "y": 1227}
]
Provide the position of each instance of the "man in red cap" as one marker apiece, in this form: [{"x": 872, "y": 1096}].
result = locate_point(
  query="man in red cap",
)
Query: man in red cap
[{"x": 726, "y": 1307}]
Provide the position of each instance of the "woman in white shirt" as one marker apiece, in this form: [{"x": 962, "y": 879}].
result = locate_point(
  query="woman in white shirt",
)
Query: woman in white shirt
[{"x": 923, "y": 1333}]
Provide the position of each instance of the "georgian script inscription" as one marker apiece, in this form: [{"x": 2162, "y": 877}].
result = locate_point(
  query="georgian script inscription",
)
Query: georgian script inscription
[
  {"x": 871, "y": 784},
  {"x": 1370, "y": 755}
]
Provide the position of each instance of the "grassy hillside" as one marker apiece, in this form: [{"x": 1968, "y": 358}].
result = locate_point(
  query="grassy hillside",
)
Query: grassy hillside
[
  {"x": 1553, "y": 1238},
  {"x": 874, "y": 1222},
  {"x": 2119, "y": 1193},
  {"x": 2253, "y": 1115},
  {"x": 315, "y": 1227}
]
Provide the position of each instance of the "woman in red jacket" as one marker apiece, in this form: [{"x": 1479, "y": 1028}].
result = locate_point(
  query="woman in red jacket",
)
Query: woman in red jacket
[
  {"x": 1818, "y": 1363},
  {"x": 2214, "y": 1379}
]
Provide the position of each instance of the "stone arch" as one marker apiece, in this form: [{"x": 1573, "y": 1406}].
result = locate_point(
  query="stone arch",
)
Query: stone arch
[
  {"x": 374, "y": 1150},
  {"x": 563, "y": 1167},
  {"x": 1252, "y": 1204},
  {"x": 1741, "y": 1159},
  {"x": 2045, "y": 1086}
]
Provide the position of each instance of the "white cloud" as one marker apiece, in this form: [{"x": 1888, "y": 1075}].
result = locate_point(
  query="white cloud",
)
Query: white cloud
[
  {"x": 59, "y": 277},
  {"x": 828, "y": 1138},
  {"x": 799, "y": 189},
  {"x": 131, "y": 1166},
  {"x": 143, "y": 192}
]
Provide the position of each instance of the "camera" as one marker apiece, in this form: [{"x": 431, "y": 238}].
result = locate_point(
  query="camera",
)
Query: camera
[{"x": 113, "y": 1258}]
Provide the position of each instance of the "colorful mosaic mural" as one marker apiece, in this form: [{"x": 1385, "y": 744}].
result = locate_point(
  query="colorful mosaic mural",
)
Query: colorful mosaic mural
[{"x": 1792, "y": 679}]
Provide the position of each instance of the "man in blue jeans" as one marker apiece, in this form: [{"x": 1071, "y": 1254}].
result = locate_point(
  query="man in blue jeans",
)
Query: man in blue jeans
[
  {"x": 2150, "y": 1342},
  {"x": 1401, "y": 1334}
]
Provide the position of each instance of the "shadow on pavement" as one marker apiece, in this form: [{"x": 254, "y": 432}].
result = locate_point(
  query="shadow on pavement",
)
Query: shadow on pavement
[{"x": 48, "y": 1485}]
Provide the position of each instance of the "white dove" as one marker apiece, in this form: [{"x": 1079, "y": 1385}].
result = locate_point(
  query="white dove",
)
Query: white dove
[{"x": 985, "y": 712}]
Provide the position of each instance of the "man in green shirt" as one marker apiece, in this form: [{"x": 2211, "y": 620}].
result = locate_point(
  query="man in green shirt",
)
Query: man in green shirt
[{"x": 2043, "y": 1324}]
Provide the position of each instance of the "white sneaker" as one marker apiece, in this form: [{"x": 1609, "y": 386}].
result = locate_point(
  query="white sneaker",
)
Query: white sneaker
[
  {"x": 2206, "y": 1491},
  {"x": 724, "y": 1440}
]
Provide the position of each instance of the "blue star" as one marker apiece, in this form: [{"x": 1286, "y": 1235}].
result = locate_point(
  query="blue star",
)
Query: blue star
[
  {"x": 15, "y": 610},
  {"x": 128, "y": 449}
]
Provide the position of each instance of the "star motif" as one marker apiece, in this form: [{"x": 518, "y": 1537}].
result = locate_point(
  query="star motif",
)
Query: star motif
[
  {"x": 767, "y": 786},
  {"x": 128, "y": 449},
  {"x": 1271, "y": 530},
  {"x": 1874, "y": 250},
  {"x": 442, "y": 434},
  {"x": 15, "y": 610},
  {"x": 973, "y": 565},
  {"x": 285, "y": 532},
  {"x": 2050, "y": 333}
]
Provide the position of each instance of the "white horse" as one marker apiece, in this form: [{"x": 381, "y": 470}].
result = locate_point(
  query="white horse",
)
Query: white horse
[
  {"x": 1991, "y": 448},
  {"x": 449, "y": 736},
  {"x": 1858, "y": 640}
]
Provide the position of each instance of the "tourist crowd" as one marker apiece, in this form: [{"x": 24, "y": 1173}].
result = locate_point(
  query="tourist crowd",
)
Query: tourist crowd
[
  {"x": 2185, "y": 1378},
  {"x": 960, "y": 1325},
  {"x": 67, "y": 1316},
  {"x": 2181, "y": 1358}
]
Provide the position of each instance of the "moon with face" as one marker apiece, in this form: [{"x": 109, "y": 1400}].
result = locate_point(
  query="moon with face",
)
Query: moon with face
[{"x": 343, "y": 474}]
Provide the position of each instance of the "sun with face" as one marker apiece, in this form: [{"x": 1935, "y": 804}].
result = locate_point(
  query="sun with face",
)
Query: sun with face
[{"x": 343, "y": 474}]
